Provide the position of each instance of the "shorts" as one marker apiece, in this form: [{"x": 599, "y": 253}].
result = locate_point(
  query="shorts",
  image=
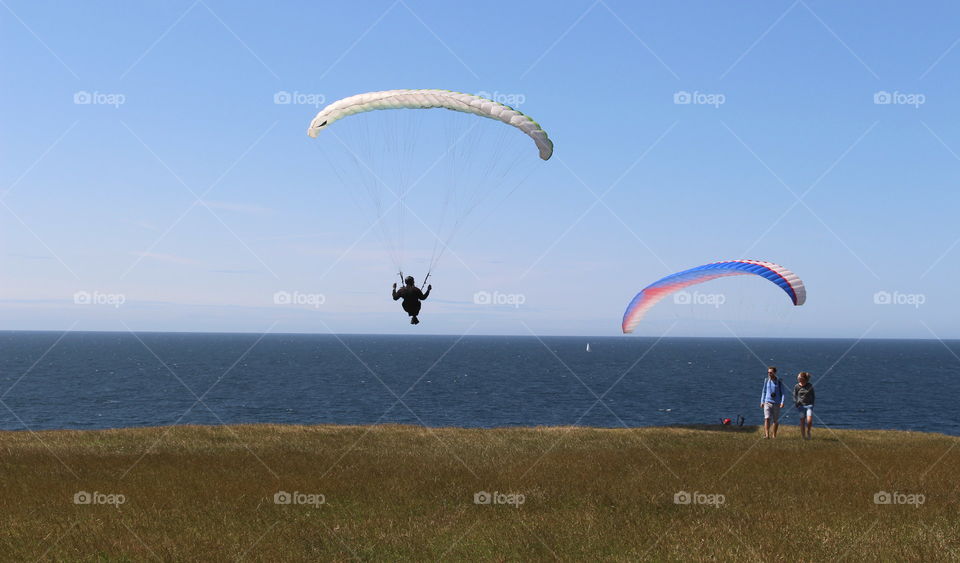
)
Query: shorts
[
  {"x": 806, "y": 411},
  {"x": 771, "y": 411},
  {"x": 411, "y": 307}
]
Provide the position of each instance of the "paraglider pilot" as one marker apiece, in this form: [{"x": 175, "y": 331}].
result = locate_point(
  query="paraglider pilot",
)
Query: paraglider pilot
[{"x": 412, "y": 296}]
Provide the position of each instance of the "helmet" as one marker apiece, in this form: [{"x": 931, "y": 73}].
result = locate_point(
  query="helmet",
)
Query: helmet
[{"x": 408, "y": 280}]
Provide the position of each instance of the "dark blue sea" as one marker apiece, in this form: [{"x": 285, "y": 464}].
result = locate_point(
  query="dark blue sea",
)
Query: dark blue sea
[{"x": 113, "y": 380}]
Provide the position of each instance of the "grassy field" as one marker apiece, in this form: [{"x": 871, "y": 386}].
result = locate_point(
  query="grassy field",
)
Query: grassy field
[{"x": 399, "y": 493}]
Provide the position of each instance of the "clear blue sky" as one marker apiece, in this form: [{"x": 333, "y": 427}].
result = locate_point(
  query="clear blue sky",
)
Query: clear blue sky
[{"x": 103, "y": 199}]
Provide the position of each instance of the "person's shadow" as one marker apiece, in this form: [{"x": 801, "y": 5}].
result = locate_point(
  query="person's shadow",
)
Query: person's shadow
[{"x": 745, "y": 429}]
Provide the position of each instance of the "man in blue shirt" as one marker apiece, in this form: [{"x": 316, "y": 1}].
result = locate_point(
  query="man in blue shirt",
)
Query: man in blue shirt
[{"x": 771, "y": 401}]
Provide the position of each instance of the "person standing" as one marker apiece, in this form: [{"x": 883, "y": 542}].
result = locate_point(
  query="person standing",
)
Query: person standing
[
  {"x": 771, "y": 401},
  {"x": 803, "y": 399}
]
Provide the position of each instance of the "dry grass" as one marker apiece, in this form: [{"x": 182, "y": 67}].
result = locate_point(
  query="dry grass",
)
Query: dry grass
[{"x": 397, "y": 493}]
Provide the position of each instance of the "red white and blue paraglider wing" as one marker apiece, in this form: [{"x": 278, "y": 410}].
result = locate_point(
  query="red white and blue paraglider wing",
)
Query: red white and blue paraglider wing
[{"x": 653, "y": 293}]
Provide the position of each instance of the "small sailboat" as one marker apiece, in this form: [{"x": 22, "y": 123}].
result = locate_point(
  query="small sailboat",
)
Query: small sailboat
[{"x": 588, "y": 346}]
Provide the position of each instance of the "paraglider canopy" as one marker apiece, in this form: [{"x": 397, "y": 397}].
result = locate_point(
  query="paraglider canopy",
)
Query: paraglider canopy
[
  {"x": 460, "y": 163},
  {"x": 425, "y": 99},
  {"x": 789, "y": 282}
]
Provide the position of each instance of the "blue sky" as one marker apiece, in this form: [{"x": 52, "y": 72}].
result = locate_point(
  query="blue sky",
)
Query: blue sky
[{"x": 184, "y": 198}]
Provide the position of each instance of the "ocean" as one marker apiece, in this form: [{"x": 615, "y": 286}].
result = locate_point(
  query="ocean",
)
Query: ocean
[{"x": 115, "y": 380}]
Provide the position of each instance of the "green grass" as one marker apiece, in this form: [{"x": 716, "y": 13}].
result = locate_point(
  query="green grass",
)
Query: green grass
[{"x": 400, "y": 493}]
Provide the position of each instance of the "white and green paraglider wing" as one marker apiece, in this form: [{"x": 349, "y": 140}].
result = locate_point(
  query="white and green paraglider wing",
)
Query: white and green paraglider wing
[{"x": 425, "y": 99}]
